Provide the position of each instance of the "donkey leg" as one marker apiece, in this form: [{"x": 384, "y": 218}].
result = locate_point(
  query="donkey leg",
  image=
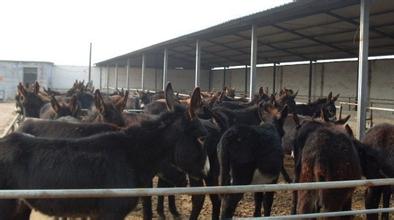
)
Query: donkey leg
[
  {"x": 258, "y": 200},
  {"x": 267, "y": 202},
  {"x": 372, "y": 200},
  {"x": 172, "y": 206},
  {"x": 197, "y": 200},
  {"x": 215, "y": 200},
  {"x": 147, "y": 207},
  {"x": 229, "y": 204},
  {"x": 386, "y": 201},
  {"x": 160, "y": 199}
]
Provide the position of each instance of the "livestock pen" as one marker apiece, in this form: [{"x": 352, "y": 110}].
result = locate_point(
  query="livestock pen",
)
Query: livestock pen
[{"x": 280, "y": 208}]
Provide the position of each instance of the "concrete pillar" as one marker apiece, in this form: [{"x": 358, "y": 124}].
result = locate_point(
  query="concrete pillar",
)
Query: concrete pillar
[
  {"x": 198, "y": 65},
  {"x": 362, "y": 101},
  {"x": 142, "y": 71},
  {"x": 253, "y": 62},
  {"x": 116, "y": 76},
  {"x": 165, "y": 68},
  {"x": 128, "y": 74}
]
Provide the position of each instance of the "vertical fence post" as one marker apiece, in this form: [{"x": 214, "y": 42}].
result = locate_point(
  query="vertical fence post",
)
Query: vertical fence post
[
  {"x": 253, "y": 62},
  {"x": 362, "y": 97},
  {"x": 165, "y": 68}
]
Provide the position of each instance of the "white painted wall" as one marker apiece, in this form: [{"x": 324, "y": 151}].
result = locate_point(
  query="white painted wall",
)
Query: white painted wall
[{"x": 11, "y": 73}]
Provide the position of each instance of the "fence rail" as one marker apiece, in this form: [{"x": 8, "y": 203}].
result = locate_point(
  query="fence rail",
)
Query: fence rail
[
  {"x": 137, "y": 192},
  {"x": 13, "y": 125}
]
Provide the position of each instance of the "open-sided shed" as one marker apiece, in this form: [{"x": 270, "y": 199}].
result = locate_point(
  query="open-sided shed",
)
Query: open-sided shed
[{"x": 304, "y": 30}]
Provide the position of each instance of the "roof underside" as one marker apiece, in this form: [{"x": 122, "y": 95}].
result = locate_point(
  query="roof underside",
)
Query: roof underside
[{"x": 298, "y": 31}]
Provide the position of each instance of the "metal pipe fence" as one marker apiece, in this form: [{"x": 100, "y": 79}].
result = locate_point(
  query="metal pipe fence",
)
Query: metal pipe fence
[{"x": 138, "y": 192}]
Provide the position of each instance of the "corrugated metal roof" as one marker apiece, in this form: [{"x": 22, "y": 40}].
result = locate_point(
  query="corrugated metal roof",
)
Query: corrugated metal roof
[{"x": 297, "y": 31}]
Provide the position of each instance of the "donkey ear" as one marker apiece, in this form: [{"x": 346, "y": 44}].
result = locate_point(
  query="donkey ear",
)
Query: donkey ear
[
  {"x": 169, "y": 96},
  {"x": 195, "y": 103},
  {"x": 121, "y": 105},
  {"x": 343, "y": 120},
  {"x": 266, "y": 90},
  {"x": 55, "y": 104},
  {"x": 329, "y": 97},
  {"x": 21, "y": 89},
  {"x": 36, "y": 88},
  {"x": 349, "y": 130},
  {"x": 335, "y": 98},
  {"x": 98, "y": 101},
  {"x": 261, "y": 91},
  {"x": 74, "y": 106}
]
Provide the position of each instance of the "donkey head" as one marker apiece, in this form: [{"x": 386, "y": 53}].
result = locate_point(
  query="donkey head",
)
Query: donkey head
[
  {"x": 329, "y": 107},
  {"x": 188, "y": 133},
  {"x": 64, "y": 109},
  {"x": 30, "y": 101},
  {"x": 287, "y": 97},
  {"x": 107, "y": 111}
]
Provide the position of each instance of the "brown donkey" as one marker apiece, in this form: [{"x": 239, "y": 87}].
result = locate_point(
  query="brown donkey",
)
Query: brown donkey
[{"x": 328, "y": 155}]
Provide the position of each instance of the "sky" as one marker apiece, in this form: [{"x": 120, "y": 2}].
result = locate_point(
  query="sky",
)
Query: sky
[{"x": 60, "y": 31}]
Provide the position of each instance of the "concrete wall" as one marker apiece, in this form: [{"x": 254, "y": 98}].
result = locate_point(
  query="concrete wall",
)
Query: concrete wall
[
  {"x": 182, "y": 80},
  {"x": 11, "y": 73},
  {"x": 63, "y": 76},
  {"x": 339, "y": 77}
]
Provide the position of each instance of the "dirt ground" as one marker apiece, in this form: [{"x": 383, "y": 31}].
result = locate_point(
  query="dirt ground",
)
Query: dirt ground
[
  {"x": 281, "y": 206},
  {"x": 7, "y": 111}
]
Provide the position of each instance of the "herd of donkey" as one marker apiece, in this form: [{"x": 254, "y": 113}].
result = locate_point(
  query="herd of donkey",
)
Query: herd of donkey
[{"x": 84, "y": 139}]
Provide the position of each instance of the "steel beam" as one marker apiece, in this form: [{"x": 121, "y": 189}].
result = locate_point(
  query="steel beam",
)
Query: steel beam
[
  {"x": 107, "y": 79},
  {"x": 273, "y": 78},
  {"x": 101, "y": 80},
  {"x": 274, "y": 47},
  {"x": 224, "y": 76},
  {"x": 198, "y": 65},
  {"x": 246, "y": 79},
  {"x": 90, "y": 63},
  {"x": 165, "y": 68},
  {"x": 362, "y": 101},
  {"x": 351, "y": 21},
  {"x": 143, "y": 71},
  {"x": 128, "y": 74},
  {"x": 116, "y": 76},
  {"x": 312, "y": 39},
  {"x": 310, "y": 82},
  {"x": 253, "y": 61}
]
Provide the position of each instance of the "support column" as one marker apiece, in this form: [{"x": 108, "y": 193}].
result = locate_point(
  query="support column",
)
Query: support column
[
  {"x": 128, "y": 74},
  {"x": 362, "y": 101},
  {"x": 116, "y": 76},
  {"x": 224, "y": 77},
  {"x": 246, "y": 79},
  {"x": 143, "y": 71},
  {"x": 310, "y": 82},
  {"x": 253, "y": 61},
  {"x": 101, "y": 79},
  {"x": 198, "y": 65},
  {"x": 165, "y": 68},
  {"x": 210, "y": 79},
  {"x": 107, "y": 79},
  {"x": 273, "y": 78},
  {"x": 90, "y": 63}
]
